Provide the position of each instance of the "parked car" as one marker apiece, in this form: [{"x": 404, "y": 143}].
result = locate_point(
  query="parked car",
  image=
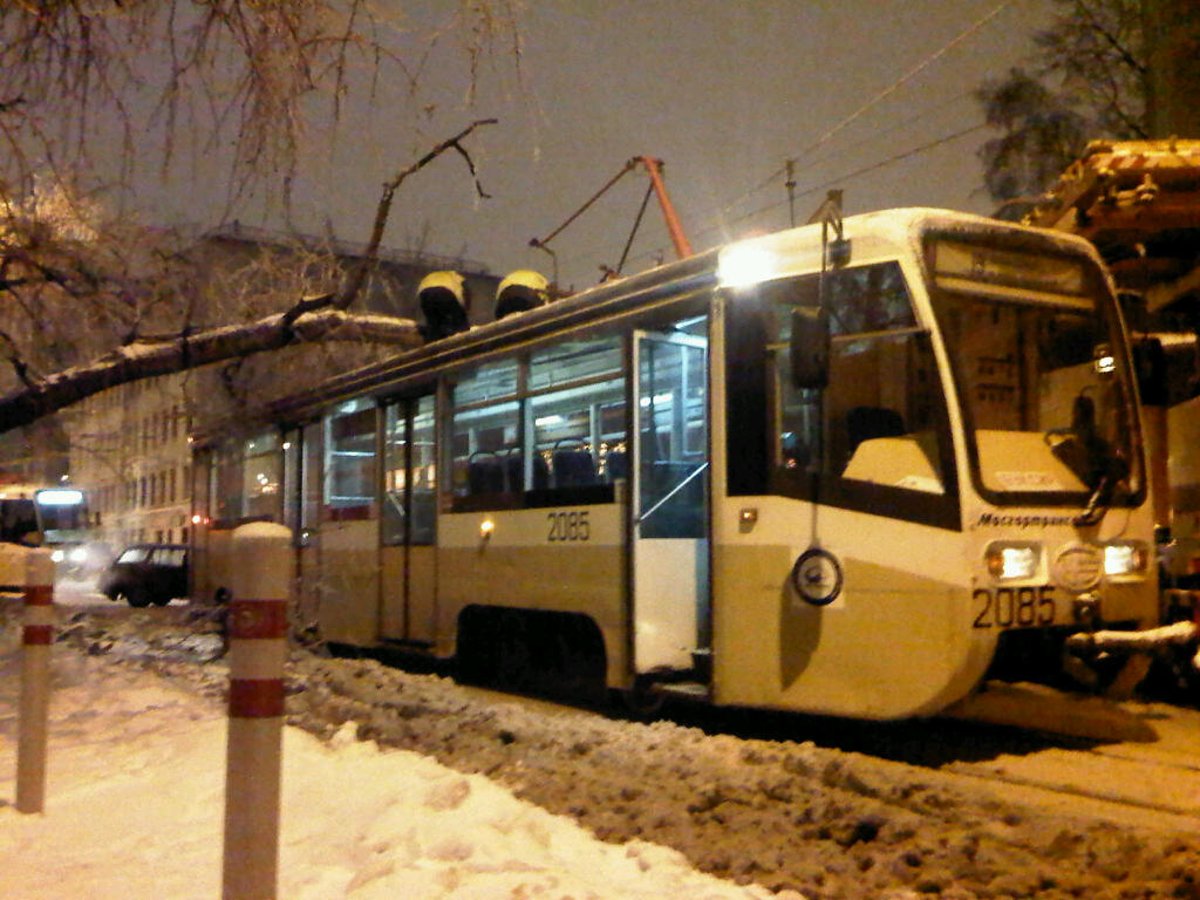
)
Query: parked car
[{"x": 147, "y": 573}]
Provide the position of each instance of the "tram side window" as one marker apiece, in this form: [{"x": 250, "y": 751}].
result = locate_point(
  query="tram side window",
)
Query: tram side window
[
  {"x": 545, "y": 428},
  {"x": 879, "y": 419},
  {"x": 261, "y": 475},
  {"x": 577, "y": 409},
  {"x": 350, "y": 462},
  {"x": 876, "y": 438},
  {"x": 485, "y": 430},
  {"x": 245, "y": 480},
  {"x": 227, "y": 483}
]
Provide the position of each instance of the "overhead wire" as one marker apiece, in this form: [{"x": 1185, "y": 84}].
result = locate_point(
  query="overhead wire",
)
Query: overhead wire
[
  {"x": 898, "y": 157},
  {"x": 840, "y": 179},
  {"x": 883, "y": 94},
  {"x": 788, "y": 168}
]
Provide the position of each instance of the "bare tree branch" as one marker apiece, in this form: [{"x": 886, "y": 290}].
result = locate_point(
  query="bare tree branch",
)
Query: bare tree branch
[{"x": 358, "y": 274}]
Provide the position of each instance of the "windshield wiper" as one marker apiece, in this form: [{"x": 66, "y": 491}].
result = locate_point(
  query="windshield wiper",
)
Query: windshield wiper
[
  {"x": 1090, "y": 457},
  {"x": 1097, "y": 505}
]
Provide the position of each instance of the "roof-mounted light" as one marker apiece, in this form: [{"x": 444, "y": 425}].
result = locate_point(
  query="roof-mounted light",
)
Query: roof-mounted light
[{"x": 745, "y": 264}]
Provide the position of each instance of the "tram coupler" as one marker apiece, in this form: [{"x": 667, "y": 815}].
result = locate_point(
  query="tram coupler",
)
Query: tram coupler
[{"x": 1179, "y": 642}]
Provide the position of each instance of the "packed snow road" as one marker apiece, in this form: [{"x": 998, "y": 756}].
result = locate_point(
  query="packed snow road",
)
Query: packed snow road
[{"x": 827, "y": 808}]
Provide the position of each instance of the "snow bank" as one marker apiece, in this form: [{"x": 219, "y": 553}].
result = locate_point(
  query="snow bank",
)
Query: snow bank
[{"x": 134, "y": 809}]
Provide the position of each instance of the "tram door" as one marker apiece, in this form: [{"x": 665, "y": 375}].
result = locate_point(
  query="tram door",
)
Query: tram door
[
  {"x": 670, "y": 500},
  {"x": 409, "y": 521}
]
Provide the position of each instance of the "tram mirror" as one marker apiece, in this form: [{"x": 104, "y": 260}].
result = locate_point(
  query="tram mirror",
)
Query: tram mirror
[{"x": 810, "y": 346}]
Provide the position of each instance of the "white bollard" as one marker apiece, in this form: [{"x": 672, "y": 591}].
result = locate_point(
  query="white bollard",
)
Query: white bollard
[
  {"x": 35, "y": 681},
  {"x": 257, "y": 628}
]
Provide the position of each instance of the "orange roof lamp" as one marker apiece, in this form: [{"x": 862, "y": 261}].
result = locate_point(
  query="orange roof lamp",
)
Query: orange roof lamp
[{"x": 657, "y": 188}]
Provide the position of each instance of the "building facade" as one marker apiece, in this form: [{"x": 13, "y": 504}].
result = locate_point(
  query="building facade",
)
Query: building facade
[{"x": 130, "y": 445}]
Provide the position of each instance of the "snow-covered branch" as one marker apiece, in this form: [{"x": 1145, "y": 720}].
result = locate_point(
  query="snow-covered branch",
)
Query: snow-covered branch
[{"x": 162, "y": 356}]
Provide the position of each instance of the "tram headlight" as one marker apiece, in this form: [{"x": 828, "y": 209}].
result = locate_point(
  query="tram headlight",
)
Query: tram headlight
[
  {"x": 1012, "y": 560},
  {"x": 1125, "y": 558},
  {"x": 746, "y": 264}
]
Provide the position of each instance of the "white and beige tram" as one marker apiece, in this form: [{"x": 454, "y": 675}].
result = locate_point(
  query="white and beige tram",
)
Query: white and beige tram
[{"x": 841, "y": 477}]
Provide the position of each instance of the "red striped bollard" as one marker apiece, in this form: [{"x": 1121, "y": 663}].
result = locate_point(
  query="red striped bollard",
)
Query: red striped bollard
[
  {"x": 257, "y": 628},
  {"x": 35, "y": 681}
]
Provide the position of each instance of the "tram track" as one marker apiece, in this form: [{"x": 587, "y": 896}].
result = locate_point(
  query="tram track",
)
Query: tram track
[{"x": 1112, "y": 804}]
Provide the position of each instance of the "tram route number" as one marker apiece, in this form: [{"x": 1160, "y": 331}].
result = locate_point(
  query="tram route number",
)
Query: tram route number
[
  {"x": 1022, "y": 607},
  {"x": 567, "y": 525}
]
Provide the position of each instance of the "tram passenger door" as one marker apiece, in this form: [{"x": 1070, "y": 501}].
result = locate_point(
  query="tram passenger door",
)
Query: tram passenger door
[
  {"x": 409, "y": 522},
  {"x": 670, "y": 501}
]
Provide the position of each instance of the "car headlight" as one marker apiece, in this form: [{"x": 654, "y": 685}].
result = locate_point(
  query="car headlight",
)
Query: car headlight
[
  {"x": 57, "y": 555},
  {"x": 1013, "y": 560},
  {"x": 78, "y": 555}
]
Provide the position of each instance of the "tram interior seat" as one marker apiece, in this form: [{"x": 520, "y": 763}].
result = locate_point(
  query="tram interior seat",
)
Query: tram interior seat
[
  {"x": 514, "y": 467},
  {"x": 616, "y": 465},
  {"x": 573, "y": 468},
  {"x": 485, "y": 475}
]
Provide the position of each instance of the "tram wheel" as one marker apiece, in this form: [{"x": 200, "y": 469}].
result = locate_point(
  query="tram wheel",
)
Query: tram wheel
[{"x": 641, "y": 700}]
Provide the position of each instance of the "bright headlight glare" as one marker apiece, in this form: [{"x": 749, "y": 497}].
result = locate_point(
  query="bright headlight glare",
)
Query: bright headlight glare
[
  {"x": 78, "y": 554},
  {"x": 745, "y": 264},
  {"x": 1011, "y": 562},
  {"x": 57, "y": 556},
  {"x": 1125, "y": 559},
  {"x": 60, "y": 497}
]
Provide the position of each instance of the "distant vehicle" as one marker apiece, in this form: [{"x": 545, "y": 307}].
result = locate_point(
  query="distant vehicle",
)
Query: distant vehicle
[
  {"x": 42, "y": 516},
  {"x": 147, "y": 573}
]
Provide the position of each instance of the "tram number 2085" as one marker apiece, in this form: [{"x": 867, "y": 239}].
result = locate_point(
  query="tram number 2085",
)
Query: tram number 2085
[
  {"x": 1021, "y": 607},
  {"x": 572, "y": 525}
]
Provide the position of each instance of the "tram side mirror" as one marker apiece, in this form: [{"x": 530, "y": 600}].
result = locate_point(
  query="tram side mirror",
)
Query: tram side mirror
[{"x": 810, "y": 347}]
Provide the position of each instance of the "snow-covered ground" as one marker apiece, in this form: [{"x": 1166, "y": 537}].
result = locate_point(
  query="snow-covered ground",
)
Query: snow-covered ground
[
  {"x": 135, "y": 799},
  {"x": 408, "y": 785}
]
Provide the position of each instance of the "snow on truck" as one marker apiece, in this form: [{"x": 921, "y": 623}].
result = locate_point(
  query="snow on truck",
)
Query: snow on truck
[{"x": 1138, "y": 202}]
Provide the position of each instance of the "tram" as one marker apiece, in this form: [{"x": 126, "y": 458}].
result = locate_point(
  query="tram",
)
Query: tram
[
  {"x": 835, "y": 470},
  {"x": 35, "y": 515}
]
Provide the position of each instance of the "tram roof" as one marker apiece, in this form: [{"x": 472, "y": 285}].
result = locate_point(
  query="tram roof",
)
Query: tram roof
[{"x": 895, "y": 229}]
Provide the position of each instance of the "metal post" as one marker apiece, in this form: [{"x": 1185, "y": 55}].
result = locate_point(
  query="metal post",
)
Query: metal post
[
  {"x": 35, "y": 681},
  {"x": 257, "y": 627}
]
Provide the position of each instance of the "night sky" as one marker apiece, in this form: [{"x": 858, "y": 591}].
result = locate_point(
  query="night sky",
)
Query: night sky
[{"x": 724, "y": 92}]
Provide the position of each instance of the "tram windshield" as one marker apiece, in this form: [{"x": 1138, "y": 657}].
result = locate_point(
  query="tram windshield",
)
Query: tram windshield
[
  {"x": 50, "y": 515},
  {"x": 63, "y": 513},
  {"x": 1035, "y": 345}
]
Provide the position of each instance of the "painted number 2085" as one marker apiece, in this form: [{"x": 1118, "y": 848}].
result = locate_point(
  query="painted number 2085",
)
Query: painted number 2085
[
  {"x": 569, "y": 526},
  {"x": 1023, "y": 607}
]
